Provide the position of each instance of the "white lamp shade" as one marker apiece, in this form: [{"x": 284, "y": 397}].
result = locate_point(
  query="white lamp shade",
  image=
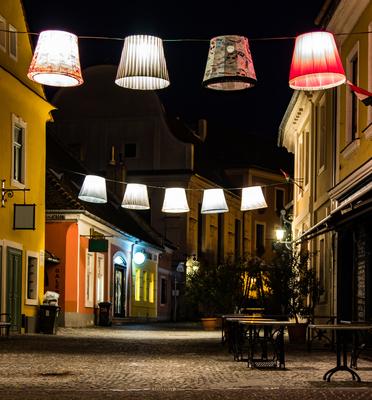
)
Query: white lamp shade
[
  {"x": 93, "y": 189},
  {"x": 136, "y": 197},
  {"x": 56, "y": 60},
  {"x": 175, "y": 201},
  {"x": 142, "y": 64},
  {"x": 252, "y": 198},
  {"x": 214, "y": 202}
]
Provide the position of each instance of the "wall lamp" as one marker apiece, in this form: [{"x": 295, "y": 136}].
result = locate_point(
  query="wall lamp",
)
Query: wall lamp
[{"x": 9, "y": 192}]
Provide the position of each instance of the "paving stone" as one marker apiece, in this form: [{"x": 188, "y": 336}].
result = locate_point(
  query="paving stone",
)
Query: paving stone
[{"x": 160, "y": 361}]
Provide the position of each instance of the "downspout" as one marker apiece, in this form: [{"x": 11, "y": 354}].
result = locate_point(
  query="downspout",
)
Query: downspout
[{"x": 130, "y": 275}]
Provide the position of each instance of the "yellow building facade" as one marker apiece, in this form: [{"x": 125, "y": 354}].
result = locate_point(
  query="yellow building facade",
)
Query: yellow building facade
[
  {"x": 330, "y": 134},
  {"x": 23, "y": 115}
]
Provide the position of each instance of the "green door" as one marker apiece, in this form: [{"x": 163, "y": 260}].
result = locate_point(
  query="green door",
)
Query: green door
[{"x": 14, "y": 287}]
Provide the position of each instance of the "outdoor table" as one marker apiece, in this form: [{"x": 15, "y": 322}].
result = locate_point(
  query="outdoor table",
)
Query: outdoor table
[
  {"x": 232, "y": 333},
  {"x": 274, "y": 334},
  {"x": 342, "y": 342}
]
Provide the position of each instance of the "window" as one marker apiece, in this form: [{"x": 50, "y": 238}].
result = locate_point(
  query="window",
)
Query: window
[
  {"x": 2, "y": 33},
  {"x": 321, "y": 141},
  {"x": 89, "y": 279},
  {"x": 137, "y": 291},
  {"x": 19, "y": 150},
  {"x": 145, "y": 286},
  {"x": 13, "y": 42},
  {"x": 201, "y": 222},
  {"x": 32, "y": 277},
  {"x": 300, "y": 161},
  {"x": 279, "y": 200},
  {"x": 352, "y": 67},
  {"x": 163, "y": 291},
  {"x": 100, "y": 278},
  {"x": 152, "y": 288},
  {"x": 260, "y": 239},
  {"x": 306, "y": 149},
  {"x": 220, "y": 237},
  {"x": 130, "y": 150}
]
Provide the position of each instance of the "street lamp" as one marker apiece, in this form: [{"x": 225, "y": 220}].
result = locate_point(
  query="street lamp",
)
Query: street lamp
[
  {"x": 179, "y": 270},
  {"x": 284, "y": 233}
]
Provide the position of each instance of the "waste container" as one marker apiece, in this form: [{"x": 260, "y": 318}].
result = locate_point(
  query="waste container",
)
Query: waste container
[
  {"x": 104, "y": 316},
  {"x": 48, "y": 315}
]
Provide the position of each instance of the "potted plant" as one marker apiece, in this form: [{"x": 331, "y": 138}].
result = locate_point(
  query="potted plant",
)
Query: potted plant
[
  {"x": 295, "y": 288},
  {"x": 215, "y": 290}
]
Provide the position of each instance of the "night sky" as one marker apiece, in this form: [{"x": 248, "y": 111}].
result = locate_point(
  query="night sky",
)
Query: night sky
[{"x": 232, "y": 116}]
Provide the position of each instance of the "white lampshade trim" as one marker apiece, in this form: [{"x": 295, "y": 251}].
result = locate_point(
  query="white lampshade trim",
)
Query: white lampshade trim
[
  {"x": 252, "y": 198},
  {"x": 136, "y": 197},
  {"x": 175, "y": 201},
  {"x": 214, "y": 202},
  {"x": 93, "y": 189}
]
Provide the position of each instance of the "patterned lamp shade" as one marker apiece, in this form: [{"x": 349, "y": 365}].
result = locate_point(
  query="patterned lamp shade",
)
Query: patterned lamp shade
[
  {"x": 142, "y": 64},
  {"x": 229, "y": 65},
  {"x": 93, "y": 189},
  {"x": 175, "y": 201},
  {"x": 56, "y": 60},
  {"x": 136, "y": 197},
  {"x": 252, "y": 198},
  {"x": 316, "y": 64},
  {"x": 214, "y": 202}
]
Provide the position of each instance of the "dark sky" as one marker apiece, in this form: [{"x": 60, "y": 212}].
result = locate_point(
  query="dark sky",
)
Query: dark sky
[{"x": 232, "y": 116}]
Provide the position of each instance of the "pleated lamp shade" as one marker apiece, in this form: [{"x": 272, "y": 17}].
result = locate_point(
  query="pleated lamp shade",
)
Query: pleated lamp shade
[
  {"x": 175, "y": 201},
  {"x": 214, "y": 202},
  {"x": 252, "y": 198},
  {"x": 229, "y": 65},
  {"x": 142, "y": 64},
  {"x": 93, "y": 189},
  {"x": 316, "y": 64},
  {"x": 136, "y": 197},
  {"x": 56, "y": 60}
]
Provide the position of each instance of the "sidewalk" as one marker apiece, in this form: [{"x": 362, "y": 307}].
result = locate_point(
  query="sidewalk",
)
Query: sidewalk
[{"x": 160, "y": 361}]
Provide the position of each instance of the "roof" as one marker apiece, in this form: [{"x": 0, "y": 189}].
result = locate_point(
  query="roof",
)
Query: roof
[{"x": 64, "y": 178}]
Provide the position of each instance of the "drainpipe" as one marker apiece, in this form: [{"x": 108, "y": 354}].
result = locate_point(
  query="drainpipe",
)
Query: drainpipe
[{"x": 129, "y": 291}]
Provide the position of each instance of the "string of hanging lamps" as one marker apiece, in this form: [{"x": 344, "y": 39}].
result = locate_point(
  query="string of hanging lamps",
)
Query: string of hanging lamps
[
  {"x": 136, "y": 196},
  {"x": 316, "y": 64}
]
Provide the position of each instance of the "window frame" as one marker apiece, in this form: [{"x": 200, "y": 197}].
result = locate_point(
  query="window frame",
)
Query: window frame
[
  {"x": 277, "y": 189},
  {"x": 12, "y": 34},
  {"x": 321, "y": 134},
  {"x": 100, "y": 278},
  {"x": 29, "y": 300},
  {"x": 351, "y": 98},
  {"x": 89, "y": 279},
  {"x": 3, "y": 46},
  {"x": 263, "y": 224},
  {"x": 19, "y": 123}
]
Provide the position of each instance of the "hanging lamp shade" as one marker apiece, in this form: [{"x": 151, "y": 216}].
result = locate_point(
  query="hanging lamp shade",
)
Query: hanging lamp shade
[
  {"x": 175, "y": 201},
  {"x": 229, "y": 65},
  {"x": 214, "y": 202},
  {"x": 316, "y": 64},
  {"x": 93, "y": 189},
  {"x": 142, "y": 64},
  {"x": 136, "y": 197},
  {"x": 56, "y": 60},
  {"x": 252, "y": 198}
]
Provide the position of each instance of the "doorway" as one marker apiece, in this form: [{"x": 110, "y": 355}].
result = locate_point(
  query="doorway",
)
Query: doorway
[
  {"x": 14, "y": 287},
  {"x": 120, "y": 272}
]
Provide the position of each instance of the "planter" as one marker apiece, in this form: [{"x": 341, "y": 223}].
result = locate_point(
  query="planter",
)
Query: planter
[
  {"x": 297, "y": 333},
  {"x": 211, "y": 323}
]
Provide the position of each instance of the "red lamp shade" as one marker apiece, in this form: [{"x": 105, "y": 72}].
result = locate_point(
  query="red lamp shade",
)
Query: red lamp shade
[{"x": 316, "y": 64}]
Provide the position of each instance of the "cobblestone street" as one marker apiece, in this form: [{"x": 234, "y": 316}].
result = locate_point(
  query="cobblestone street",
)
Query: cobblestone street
[{"x": 160, "y": 361}]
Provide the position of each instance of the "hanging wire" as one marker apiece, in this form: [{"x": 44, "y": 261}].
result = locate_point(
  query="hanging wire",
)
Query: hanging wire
[
  {"x": 187, "y": 39},
  {"x": 286, "y": 182}
]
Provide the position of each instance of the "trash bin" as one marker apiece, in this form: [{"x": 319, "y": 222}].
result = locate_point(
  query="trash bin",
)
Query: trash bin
[
  {"x": 48, "y": 315},
  {"x": 104, "y": 316}
]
